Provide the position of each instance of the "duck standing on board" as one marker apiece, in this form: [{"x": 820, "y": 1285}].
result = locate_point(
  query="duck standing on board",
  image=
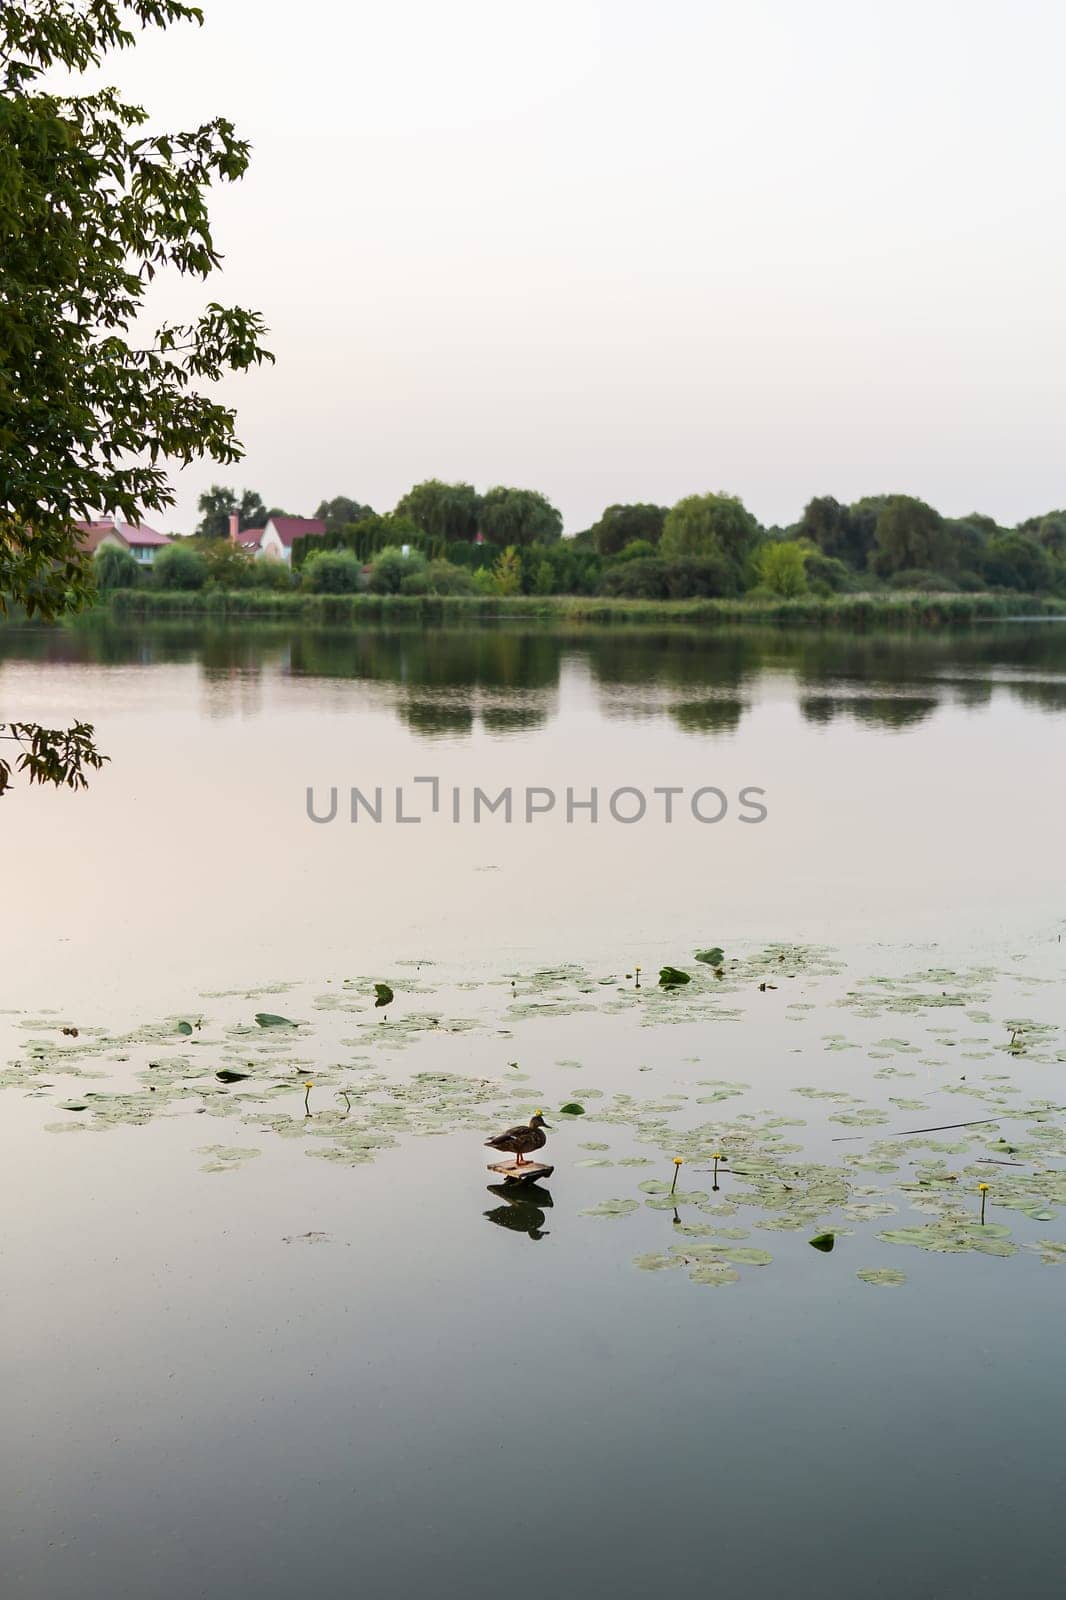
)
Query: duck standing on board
[{"x": 525, "y": 1136}]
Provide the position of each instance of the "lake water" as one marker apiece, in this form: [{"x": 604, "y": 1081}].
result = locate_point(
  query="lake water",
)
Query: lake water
[{"x": 267, "y": 1338}]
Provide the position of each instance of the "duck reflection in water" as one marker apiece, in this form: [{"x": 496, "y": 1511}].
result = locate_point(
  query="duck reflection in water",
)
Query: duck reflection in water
[{"x": 523, "y": 1209}]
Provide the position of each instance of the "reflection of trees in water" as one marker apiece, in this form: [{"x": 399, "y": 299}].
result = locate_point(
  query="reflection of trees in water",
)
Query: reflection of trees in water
[
  {"x": 964, "y": 667},
  {"x": 97, "y": 641},
  {"x": 1045, "y": 695},
  {"x": 458, "y": 714},
  {"x": 437, "y": 717},
  {"x": 513, "y": 718},
  {"x": 876, "y": 711},
  {"x": 678, "y": 658},
  {"x": 707, "y": 716},
  {"x": 450, "y": 678},
  {"x": 637, "y": 677},
  {"x": 972, "y": 693},
  {"x": 508, "y": 678},
  {"x": 434, "y": 658}
]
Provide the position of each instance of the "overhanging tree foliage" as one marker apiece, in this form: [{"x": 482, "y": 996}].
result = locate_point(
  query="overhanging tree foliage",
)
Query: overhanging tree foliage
[{"x": 91, "y": 210}]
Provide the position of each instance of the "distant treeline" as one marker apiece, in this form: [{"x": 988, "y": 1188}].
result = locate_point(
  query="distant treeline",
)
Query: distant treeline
[
  {"x": 449, "y": 539},
  {"x": 710, "y": 544}
]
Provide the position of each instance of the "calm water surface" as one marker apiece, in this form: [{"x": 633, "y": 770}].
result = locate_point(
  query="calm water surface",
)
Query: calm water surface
[{"x": 438, "y": 1389}]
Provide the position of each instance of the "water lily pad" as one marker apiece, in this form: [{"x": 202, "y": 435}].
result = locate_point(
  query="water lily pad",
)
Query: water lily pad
[
  {"x": 656, "y": 1263},
  {"x": 745, "y": 1255},
  {"x": 226, "y": 1158},
  {"x": 680, "y": 1197},
  {"x": 886, "y": 1277},
  {"x": 715, "y": 1274},
  {"x": 610, "y": 1208},
  {"x": 268, "y": 1019},
  {"x": 952, "y": 1236}
]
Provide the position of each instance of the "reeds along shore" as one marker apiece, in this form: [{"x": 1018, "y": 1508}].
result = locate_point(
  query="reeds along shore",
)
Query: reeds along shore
[{"x": 847, "y": 611}]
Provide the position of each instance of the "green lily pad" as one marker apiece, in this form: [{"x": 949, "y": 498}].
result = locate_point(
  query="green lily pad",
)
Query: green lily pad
[
  {"x": 673, "y": 977},
  {"x": 611, "y": 1208},
  {"x": 680, "y": 1197},
  {"x": 383, "y": 995},
  {"x": 886, "y": 1277},
  {"x": 711, "y": 958},
  {"x": 745, "y": 1256},
  {"x": 267, "y": 1019},
  {"x": 656, "y": 1263},
  {"x": 823, "y": 1241},
  {"x": 715, "y": 1274},
  {"x": 953, "y": 1236}
]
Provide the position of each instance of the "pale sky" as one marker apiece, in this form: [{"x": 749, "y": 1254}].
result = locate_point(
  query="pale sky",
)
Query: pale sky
[{"x": 621, "y": 251}]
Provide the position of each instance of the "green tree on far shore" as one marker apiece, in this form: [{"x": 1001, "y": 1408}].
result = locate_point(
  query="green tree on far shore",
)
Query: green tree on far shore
[
  {"x": 910, "y": 536},
  {"x": 620, "y": 526},
  {"x": 705, "y": 526},
  {"x": 444, "y": 511},
  {"x": 518, "y": 517},
  {"x": 341, "y": 512},
  {"x": 217, "y": 505},
  {"x": 782, "y": 568}
]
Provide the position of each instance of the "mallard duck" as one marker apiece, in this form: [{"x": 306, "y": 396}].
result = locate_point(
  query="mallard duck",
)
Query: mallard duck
[{"x": 521, "y": 1138}]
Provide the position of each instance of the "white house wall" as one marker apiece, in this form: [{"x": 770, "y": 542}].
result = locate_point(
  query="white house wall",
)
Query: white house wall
[{"x": 270, "y": 545}]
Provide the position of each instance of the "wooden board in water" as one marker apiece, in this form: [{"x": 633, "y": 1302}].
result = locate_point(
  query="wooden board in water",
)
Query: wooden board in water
[{"x": 528, "y": 1172}]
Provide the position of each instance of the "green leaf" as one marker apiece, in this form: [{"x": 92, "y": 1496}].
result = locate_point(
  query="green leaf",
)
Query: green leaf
[
  {"x": 571, "y": 1109},
  {"x": 611, "y": 1208},
  {"x": 384, "y": 995},
  {"x": 711, "y": 958},
  {"x": 823, "y": 1241},
  {"x": 267, "y": 1019},
  {"x": 185, "y": 1027},
  {"x": 673, "y": 977}
]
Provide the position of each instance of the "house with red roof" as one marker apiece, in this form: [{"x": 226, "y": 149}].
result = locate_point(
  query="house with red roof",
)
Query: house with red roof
[
  {"x": 141, "y": 542},
  {"x": 275, "y": 540},
  {"x": 279, "y": 533},
  {"x": 247, "y": 538}
]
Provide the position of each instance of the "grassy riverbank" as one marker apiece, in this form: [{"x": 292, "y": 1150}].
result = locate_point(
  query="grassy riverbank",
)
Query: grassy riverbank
[{"x": 846, "y": 611}]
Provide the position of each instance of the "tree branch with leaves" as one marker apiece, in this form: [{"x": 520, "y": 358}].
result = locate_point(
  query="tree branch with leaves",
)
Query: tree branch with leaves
[{"x": 91, "y": 211}]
